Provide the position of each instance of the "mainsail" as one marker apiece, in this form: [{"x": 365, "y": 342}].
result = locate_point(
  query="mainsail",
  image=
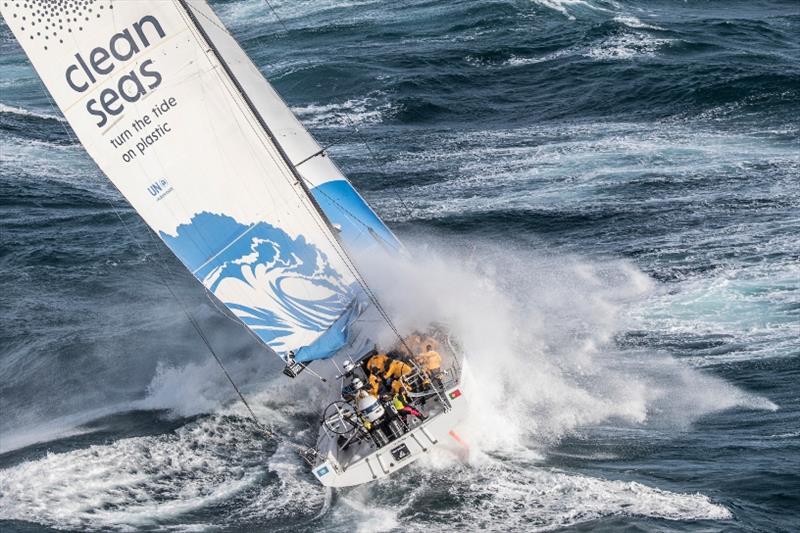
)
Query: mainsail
[{"x": 180, "y": 120}]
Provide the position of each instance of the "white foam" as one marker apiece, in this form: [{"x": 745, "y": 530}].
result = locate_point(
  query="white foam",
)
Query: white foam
[
  {"x": 627, "y": 46},
  {"x": 59, "y": 428},
  {"x": 746, "y": 306},
  {"x": 545, "y": 499},
  {"x": 561, "y": 6},
  {"x": 633, "y": 22},
  {"x": 372, "y": 517},
  {"x": 135, "y": 482},
  {"x": 506, "y": 494},
  {"x": 236, "y": 13},
  {"x": 622, "y": 46},
  {"x": 538, "y": 333},
  {"x": 353, "y": 112},
  {"x": 567, "y": 165},
  {"x": 296, "y": 493},
  {"x": 28, "y": 113},
  {"x": 515, "y": 61}
]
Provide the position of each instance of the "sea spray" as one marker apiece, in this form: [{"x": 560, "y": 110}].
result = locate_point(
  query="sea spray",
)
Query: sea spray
[{"x": 538, "y": 333}]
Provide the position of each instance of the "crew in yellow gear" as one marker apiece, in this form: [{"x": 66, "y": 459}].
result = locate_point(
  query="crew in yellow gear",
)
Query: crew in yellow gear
[
  {"x": 394, "y": 374},
  {"x": 374, "y": 384},
  {"x": 429, "y": 360},
  {"x": 397, "y": 369},
  {"x": 399, "y": 386},
  {"x": 401, "y": 403},
  {"x": 377, "y": 363}
]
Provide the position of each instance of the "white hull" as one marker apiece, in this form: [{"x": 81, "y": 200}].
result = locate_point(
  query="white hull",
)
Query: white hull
[{"x": 366, "y": 463}]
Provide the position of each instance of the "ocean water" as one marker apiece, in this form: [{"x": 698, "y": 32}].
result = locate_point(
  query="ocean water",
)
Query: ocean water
[{"x": 602, "y": 199}]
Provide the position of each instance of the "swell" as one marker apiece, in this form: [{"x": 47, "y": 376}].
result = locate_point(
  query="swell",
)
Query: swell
[{"x": 659, "y": 138}]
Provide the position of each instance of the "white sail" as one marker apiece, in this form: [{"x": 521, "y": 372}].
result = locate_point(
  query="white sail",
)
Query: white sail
[{"x": 177, "y": 117}]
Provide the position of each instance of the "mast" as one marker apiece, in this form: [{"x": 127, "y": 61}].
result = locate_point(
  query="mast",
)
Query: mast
[
  {"x": 358, "y": 227},
  {"x": 300, "y": 180}
]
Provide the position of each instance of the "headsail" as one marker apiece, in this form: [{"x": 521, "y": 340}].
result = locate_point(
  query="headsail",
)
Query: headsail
[{"x": 175, "y": 114}]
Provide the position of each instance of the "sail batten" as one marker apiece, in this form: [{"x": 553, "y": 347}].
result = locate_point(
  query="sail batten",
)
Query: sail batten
[{"x": 180, "y": 120}]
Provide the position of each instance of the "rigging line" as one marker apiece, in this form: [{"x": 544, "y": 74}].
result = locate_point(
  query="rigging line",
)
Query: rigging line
[
  {"x": 322, "y": 150},
  {"x": 276, "y": 15},
  {"x": 380, "y": 164},
  {"x": 349, "y": 262},
  {"x": 321, "y": 219}
]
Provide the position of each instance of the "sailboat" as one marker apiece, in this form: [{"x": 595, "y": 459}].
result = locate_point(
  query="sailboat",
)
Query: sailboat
[{"x": 177, "y": 116}]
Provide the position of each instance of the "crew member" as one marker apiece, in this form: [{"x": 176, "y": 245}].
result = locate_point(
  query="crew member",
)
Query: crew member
[
  {"x": 394, "y": 374},
  {"x": 370, "y": 411},
  {"x": 400, "y": 402},
  {"x": 347, "y": 380},
  {"x": 374, "y": 383},
  {"x": 413, "y": 342},
  {"x": 377, "y": 363},
  {"x": 430, "y": 360}
]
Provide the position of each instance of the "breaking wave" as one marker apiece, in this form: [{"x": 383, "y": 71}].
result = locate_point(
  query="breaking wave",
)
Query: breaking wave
[
  {"x": 355, "y": 112},
  {"x": 28, "y": 113}
]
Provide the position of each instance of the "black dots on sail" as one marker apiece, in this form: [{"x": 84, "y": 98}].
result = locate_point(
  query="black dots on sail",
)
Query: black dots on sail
[{"x": 52, "y": 21}]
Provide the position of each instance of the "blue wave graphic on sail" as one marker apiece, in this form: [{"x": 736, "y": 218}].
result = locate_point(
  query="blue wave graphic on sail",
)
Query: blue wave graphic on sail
[{"x": 282, "y": 288}]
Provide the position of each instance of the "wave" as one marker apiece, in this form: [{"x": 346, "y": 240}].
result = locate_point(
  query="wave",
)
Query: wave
[
  {"x": 348, "y": 114},
  {"x": 569, "y": 165},
  {"x": 142, "y": 482},
  {"x": 513, "y": 496},
  {"x": 169, "y": 481},
  {"x": 28, "y": 113},
  {"x": 633, "y": 22},
  {"x": 563, "y": 6},
  {"x": 627, "y": 46},
  {"x": 623, "y": 46}
]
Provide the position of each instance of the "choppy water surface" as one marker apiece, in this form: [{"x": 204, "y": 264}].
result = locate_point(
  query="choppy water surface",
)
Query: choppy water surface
[{"x": 603, "y": 200}]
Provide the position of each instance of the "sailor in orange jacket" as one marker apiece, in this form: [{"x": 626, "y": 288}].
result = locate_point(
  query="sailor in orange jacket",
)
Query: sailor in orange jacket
[
  {"x": 397, "y": 369},
  {"x": 377, "y": 363},
  {"x": 373, "y": 384},
  {"x": 430, "y": 360},
  {"x": 395, "y": 373}
]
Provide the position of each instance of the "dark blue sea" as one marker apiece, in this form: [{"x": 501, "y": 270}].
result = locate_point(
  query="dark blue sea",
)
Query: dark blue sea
[{"x": 601, "y": 196}]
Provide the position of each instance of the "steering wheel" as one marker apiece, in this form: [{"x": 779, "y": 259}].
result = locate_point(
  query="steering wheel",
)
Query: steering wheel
[{"x": 340, "y": 418}]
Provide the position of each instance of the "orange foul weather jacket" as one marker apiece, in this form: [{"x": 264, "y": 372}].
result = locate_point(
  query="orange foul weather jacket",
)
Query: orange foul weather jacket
[
  {"x": 430, "y": 360},
  {"x": 377, "y": 363},
  {"x": 397, "y": 369},
  {"x": 374, "y": 384}
]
